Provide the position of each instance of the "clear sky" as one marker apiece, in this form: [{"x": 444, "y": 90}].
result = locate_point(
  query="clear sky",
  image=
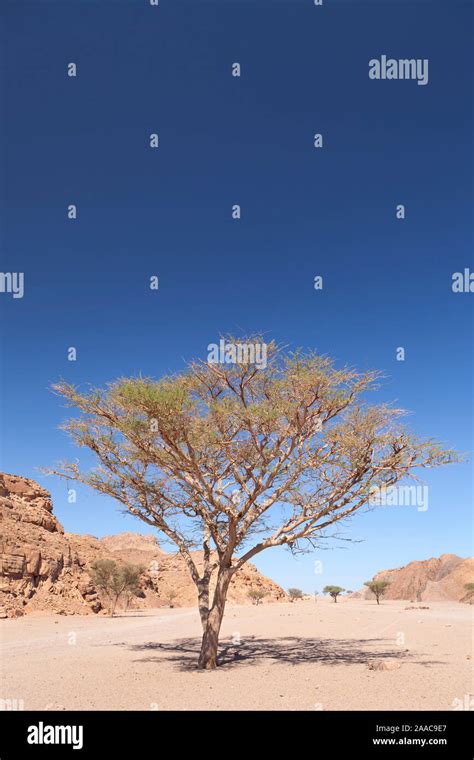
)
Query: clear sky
[{"x": 244, "y": 140}]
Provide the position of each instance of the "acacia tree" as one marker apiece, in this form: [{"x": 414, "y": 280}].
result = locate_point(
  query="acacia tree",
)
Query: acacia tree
[
  {"x": 378, "y": 588},
  {"x": 295, "y": 594},
  {"x": 333, "y": 591},
  {"x": 116, "y": 581},
  {"x": 235, "y": 458},
  {"x": 256, "y": 595}
]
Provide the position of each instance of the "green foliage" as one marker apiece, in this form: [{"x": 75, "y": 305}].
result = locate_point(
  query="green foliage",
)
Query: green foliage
[
  {"x": 294, "y": 436},
  {"x": 116, "y": 581},
  {"x": 378, "y": 588},
  {"x": 469, "y": 586},
  {"x": 257, "y": 594},
  {"x": 294, "y": 594},
  {"x": 333, "y": 591}
]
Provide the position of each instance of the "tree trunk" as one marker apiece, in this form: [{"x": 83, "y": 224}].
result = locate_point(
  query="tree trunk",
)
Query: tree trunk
[
  {"x": 335, "y": 599},
  {"x": 203, "y": 600},
  {"x": 377, "y": 600},
  {"x": 210, "y": 639},
  {"x": 113, "y": 605}
]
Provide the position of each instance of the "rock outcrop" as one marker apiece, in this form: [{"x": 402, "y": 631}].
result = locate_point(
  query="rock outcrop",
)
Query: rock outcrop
[
  {"x": 429, "y": 580},
  {"x": 39, "y": 567},
  {"x": 42, "y": 568}
]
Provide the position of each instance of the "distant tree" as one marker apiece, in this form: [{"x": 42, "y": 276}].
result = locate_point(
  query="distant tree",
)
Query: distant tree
[
  {"x": 256, "y": 595},
  {"x": 378, "y": 588},
  {"x": 210, "y": 456},
  {"x": 116, "y": 581},
  {"x": 469, "y": 586},
  {"x": 294, "y": 594},
  {"x": 333, "y": 591},
  {"x": 171, "y": 596},
  {"x": 128, "y": 595}
]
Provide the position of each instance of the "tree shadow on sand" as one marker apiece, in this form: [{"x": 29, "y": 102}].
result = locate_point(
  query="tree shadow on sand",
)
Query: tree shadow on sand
[{"x": 290, "y": 650}]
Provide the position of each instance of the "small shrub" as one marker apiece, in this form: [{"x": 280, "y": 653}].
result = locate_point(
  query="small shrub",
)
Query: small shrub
[{"x": 256, "y": 595}]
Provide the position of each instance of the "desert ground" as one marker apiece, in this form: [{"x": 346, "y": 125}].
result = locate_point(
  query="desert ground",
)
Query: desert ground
[{"x": 279, "y": 656}]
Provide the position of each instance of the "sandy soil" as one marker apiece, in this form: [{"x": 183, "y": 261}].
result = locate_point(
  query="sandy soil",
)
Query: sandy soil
[{"x": 302, "y": 656}]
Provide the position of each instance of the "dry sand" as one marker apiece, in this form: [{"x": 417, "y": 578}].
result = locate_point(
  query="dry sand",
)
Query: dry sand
[{"x": 302, "y": 656}]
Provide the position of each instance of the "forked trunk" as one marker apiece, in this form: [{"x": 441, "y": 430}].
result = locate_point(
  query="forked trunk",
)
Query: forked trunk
[{"x": 210, "y": 639}]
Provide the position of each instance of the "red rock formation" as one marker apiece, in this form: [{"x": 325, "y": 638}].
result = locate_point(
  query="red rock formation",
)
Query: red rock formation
[
  {"x": 44, "y": 569},
  {"x": 38, "y": 567},
  {"x": 429, "y": 580}
]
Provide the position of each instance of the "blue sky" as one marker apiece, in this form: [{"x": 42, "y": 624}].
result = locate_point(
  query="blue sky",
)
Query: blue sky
[{"x": 305, "y": 212}]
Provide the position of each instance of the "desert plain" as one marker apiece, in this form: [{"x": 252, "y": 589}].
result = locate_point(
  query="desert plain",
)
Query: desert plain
[{"x": 306, "y": 655}]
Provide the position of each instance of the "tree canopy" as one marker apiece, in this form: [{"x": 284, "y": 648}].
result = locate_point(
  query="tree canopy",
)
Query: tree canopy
[
  {"x": 333, "y": 591},
  {"x": 378, "y": 588},
  {"x": 235, "y": 458}
]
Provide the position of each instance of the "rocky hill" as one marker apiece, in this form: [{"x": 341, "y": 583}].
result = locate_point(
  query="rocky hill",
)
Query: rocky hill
[
  {"x": 430, "y": 580},
  {"x": 42, "y": 568}
]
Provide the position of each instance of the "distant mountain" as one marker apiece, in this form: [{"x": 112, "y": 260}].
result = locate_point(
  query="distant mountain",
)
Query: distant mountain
[
  {"x": 430, "y": 580},
  {"x": 42, "y": 568}
]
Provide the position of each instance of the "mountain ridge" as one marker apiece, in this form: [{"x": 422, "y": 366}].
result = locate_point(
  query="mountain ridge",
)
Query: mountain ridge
[{"x": 434, "y": 579}]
